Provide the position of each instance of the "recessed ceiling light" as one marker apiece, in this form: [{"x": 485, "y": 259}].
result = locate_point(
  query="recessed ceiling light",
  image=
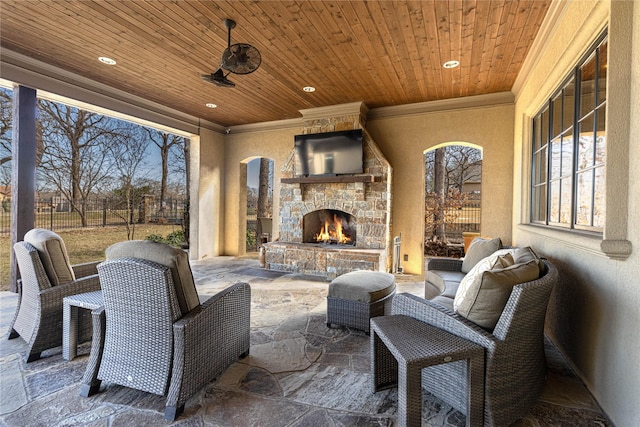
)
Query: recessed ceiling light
[
  {"x": 309, "y": 89},
  {"x": 211, "y": 105},
  {"x": 106, "y": 60},
  {"x": 451, "y": 64}
]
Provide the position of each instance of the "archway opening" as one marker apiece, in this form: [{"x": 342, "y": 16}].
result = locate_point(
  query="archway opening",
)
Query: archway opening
[
  {"x": 259, "y": 202},
  {"x": 453, "y": 181}
]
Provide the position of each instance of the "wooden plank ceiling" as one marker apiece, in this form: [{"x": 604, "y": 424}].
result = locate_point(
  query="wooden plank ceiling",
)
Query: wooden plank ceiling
[{"x": 380, "y": 52}]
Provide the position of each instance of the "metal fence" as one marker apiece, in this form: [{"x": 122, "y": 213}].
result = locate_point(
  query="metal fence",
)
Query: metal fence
[
  {"x": 56, "y": 213},
  {"x": 465, "y": 218}
]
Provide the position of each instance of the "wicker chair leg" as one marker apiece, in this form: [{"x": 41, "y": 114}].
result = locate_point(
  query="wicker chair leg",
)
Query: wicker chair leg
[
  {"x": 90, "y": 382},
  {"x": 173, "y": 412},
  {"x": 245, "y": 354},
  {"x": 31, "y": 357},
  {"x": 87, "y": 390}
]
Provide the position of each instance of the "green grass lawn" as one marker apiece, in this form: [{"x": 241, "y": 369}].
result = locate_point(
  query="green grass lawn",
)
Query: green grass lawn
[{"x": 84, "y": 245}]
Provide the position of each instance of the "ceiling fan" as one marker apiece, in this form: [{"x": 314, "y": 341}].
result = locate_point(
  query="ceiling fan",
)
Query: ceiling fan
[{"x": 237, "y": 58}]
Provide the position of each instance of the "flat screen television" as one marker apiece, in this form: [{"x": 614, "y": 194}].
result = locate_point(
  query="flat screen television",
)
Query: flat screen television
[{"x": 329, "y": 153}]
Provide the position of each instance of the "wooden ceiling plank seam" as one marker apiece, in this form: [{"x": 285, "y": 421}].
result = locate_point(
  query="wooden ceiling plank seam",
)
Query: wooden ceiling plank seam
[
  {"x": 209, "y": 37},
  {"x": 330, "y": 66},
  {"x": 442, "y": 16},
  {"x": 368, "y": 35},
  {"x": 380, "y": 79},
  {"x": 432, "y": 43},
  {"x": 495, "y": 12},
  {"x": 350, "y": 58},
  {"x": 403, "y": 59},
  {"x": 378, "y": 16},
  {"x": 416, "y": 73},
  {"x": 455, "y": 40},
  {"x": 537, "y": 12},
  {"x": 480, "y": 19},
  {"x": 469, "y": 8},
  {"x": 294, "y": 49},
  {"x": 164, "y": 38},
  {"x": 515, "y": 32},
  {"x": 501, "y": 56}
]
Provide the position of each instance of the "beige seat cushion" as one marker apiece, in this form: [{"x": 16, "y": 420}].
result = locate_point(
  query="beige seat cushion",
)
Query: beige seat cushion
[
  {"x": 363, "y": 286},
  {"x": 480, "y": 248},
  {"x": 53, "y": 255},
  {"x": 446, "y": 281},
  {"x": 485, "y": 298},
  {"x": 176, "y": 259}
]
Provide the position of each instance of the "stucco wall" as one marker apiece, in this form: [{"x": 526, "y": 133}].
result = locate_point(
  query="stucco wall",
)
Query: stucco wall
[
  {"x": 206, "y": 209},
  {"x": 593, "y": 315},
  {"x": 403, "y": 140},
  {"x": 241, "y": 148}
]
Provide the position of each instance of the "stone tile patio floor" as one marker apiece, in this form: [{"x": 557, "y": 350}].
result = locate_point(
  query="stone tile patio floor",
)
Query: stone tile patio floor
[{"x": 299, "y": 372}]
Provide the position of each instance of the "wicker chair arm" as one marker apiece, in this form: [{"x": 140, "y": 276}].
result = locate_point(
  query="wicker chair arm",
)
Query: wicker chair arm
[
  {"x": 78, "y": 286},
  {"x": 441, "y": 317},
  {"x": 85, "y": 269},
  {"x": 447, "y": 264},
  {"x": 208, "y": 339}
]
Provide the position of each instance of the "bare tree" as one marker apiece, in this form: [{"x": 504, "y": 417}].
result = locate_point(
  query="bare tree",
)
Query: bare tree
[
  {"x": 128, "y": 154},
  {"x": 464, "y": 164},
  {"x": 6, "y": 117},
  {"x": 74, "y": 153},
  {"x": 262, "y": 210},
  {"x": 439, "y": 168},
  {"x": 164, "y": 141},
  {"x": 180, "y": 168}
]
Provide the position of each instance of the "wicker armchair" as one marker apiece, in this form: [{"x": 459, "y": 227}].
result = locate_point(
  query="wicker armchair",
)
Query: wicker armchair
[
  {"x": 46, "y": 278},
  {"x": 143, "y": 341},
  {"x": 515, "y": 366}
]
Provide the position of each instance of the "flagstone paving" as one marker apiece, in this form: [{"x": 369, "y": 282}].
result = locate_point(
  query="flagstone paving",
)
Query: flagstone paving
[{"x": 299, "y": 372}]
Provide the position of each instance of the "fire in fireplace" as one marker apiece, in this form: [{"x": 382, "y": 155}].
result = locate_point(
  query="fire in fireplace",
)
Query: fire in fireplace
[{"x": 329, "y": 226}]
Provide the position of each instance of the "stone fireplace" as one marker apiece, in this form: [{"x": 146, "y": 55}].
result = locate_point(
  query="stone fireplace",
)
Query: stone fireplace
[{"x": 330, "y": 225}]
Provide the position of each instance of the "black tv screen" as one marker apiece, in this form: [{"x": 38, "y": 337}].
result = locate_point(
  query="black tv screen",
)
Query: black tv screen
[{"x": 329, "y": 153}]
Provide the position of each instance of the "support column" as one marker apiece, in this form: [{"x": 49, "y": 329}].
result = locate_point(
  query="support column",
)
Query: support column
[{"x": 23, "y": 181}]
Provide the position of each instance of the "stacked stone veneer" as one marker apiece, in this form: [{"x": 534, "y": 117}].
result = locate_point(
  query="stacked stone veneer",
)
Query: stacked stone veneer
[{"x": 369, "y": 203}]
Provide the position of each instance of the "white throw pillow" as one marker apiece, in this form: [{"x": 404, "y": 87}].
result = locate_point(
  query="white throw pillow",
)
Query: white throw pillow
[
  {"x": 499, "y": 259},
  {"x": 479, "y": 249}
]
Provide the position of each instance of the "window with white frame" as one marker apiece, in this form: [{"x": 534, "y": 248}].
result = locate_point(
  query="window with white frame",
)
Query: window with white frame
[{"x": 569, "y": 148}]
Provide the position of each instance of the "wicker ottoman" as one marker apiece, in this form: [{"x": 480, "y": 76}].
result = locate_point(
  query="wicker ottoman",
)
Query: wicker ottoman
[{"x": 355, "y": 297}]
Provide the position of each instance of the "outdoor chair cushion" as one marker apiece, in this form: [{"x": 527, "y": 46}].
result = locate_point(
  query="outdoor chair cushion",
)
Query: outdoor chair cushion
[
  {"x": 176, "y": 259},
  {"x": 526, "y": 254},
  {"x": 480, "y": 248},
  {"x": 446, "y": 281},
  {"x": 363, "y": 286},
  {"x": 53, "y": 255},
  {"x": 487, "y": 295}
]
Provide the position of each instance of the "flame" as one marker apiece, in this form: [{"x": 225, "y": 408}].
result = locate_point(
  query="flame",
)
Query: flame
[{"x": 332, "y": 233}]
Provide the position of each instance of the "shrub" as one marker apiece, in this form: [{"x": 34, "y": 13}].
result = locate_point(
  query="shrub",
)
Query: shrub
[{"x": 174, "y": 239}]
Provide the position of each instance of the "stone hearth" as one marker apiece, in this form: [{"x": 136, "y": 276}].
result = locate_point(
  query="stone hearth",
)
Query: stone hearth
[
  {"x": 322, "y": 259},
  {"x": 364, "y": 199}
]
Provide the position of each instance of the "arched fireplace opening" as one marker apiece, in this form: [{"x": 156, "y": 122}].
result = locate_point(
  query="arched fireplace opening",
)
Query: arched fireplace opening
[{"x": 329, "y": 226}]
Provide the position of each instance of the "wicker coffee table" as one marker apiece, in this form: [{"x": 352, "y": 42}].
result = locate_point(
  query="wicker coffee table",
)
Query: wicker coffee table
[
  {"x": 70, "y": 306},
  {"x": 401, "y": 346}
]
